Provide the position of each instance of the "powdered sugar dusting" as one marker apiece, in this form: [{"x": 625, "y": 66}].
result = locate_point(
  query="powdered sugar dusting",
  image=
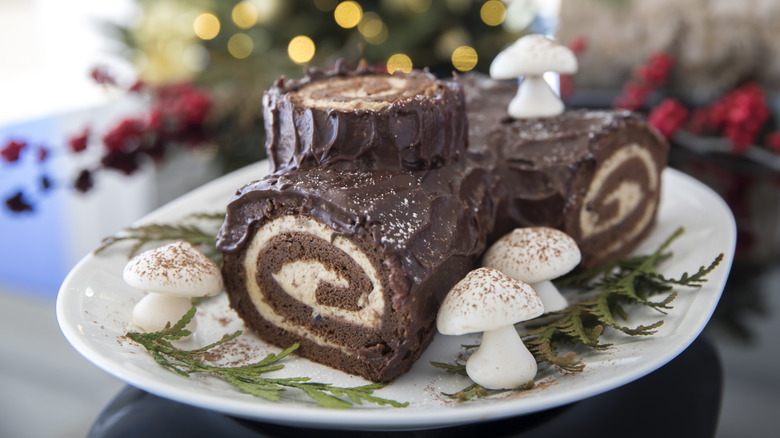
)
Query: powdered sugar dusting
[
  {"x": 487, "y": 299},
  {"x": 533, "y": 254},
  {"x": 176, "y": 268}
]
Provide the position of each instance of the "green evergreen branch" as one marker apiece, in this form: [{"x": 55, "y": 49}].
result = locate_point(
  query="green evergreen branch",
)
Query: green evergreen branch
[
  {"x": 201, "y": 236},
  {"x": 247, "y": 378},
  {"x": 631, "y": 281},
  {"x": 452, "y": 369}
]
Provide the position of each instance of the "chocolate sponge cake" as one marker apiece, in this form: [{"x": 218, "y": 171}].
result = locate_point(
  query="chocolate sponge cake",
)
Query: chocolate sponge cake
[
  {"x": 592, "y": 174},
  {"x": 352, "y": 263},
  {"x": 379, "y": 203}
]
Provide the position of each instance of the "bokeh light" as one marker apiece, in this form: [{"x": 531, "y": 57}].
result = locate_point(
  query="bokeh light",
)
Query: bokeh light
[
  {"x": 464, "y": 58},
  {"x": 301, "y": 49},
  {"x": 240, "y": 45},
  {"x": 450, "y": 40},
  {"x": 418, "y": 6},
  {"x": 348, "y": 14},
  {"x": 520, "y": 15},
  {"x": 206, "y": 26},
  {"x": 380, "y": 37},
  {"x": 268, "y": 10},
  {"x": 195, "y": 57},
  {"x": 399, "y": 61},
  {"x": 492, "y": 12},
  {"x": 371, "y": 25},
  {"x": 244, "y": 14}
]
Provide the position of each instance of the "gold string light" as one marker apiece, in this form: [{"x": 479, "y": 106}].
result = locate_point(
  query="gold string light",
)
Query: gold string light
[
  {"x": 206, "y": 26},
  {"x": 399, "y": 61},
  {"x": 244, "y": 14},
  {"x": 301, "y": 49},
  {"x": 371, "y": 25},
  {"x": 348, "y": 14},
  {"x": 240, "y": 45},
  {"x": 464, "y": 58},
  {"x": 492, "y": 12}
]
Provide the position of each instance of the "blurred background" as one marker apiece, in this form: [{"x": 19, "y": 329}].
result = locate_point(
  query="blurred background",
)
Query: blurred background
[{"x": 111, "y": 109}]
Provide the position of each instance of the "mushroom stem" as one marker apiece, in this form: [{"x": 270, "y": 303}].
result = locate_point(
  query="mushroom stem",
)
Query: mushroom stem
[
  {"x": 551, "y": 297},
  {"x": 502, "y": 360},
  {"x": 156, "y": 310},
  {"x": 535, "y": 98}
]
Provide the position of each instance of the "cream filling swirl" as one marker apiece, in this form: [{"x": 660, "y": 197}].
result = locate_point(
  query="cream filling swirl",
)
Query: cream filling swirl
[
  {"x": 300, "y": 279},
  {"x": 627, "y": 195}
]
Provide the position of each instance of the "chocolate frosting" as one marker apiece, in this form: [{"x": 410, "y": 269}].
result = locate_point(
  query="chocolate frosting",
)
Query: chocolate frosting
[
  {"x": 543, "y": 166},
  {"x": 429, "y": 222},
  {"x": 418, "y": 219},
  {"x": 364, "y": 119}
]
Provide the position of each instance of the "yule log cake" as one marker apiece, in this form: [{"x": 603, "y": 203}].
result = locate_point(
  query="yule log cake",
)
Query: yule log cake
[{"x": 380, "y": 202}]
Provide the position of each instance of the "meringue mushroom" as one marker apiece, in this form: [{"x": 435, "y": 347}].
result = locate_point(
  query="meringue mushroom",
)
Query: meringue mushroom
[
  {"x": 536, "y": 255},
  {"x": 530, "y": 57},
  {"x": 490, "y": 302},
  {"x": 172, "y": 274}
]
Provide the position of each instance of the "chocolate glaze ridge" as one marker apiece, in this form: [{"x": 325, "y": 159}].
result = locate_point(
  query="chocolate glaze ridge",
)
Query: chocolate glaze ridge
[{"x": 361, "y": 118}]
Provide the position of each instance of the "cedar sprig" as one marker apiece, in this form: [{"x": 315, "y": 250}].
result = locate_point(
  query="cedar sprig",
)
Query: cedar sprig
[
  {"x": 631, "y": 281},
  {"x": 199, "y": 229},
  {"x": 248, "y": 378}
]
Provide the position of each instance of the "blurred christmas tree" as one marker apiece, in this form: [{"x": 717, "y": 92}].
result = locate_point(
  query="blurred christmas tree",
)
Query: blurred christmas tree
[{"x": 237, "y": 49}]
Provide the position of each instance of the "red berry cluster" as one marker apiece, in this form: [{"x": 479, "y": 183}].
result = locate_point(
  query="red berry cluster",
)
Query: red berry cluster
[
  {"x": 740, "y": 116},
  {"x": 177, "y": 115},
  {"x": 647, "y": 78},
  {"x": 669, "y": 116}
]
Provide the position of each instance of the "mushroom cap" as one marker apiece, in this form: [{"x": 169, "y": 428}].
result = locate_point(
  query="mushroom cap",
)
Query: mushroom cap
[
  {"x": 176, "y": 269},
  {"x": 533, "y": 55},
  {"x": 533, "y": 254},
  {"x": 486, "y": 299}
]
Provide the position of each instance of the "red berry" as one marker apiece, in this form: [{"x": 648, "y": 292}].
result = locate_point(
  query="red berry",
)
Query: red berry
[
  {"x": 43, "y": 153},
  {"x": 668, "y": 117},
  {"x": 18, "y": 204},
  {"x": 84, "y": 181},
  {"x": 102, "y": 76},
  {"x": 578, "y": 44},
  {"x": 125, "y": 137},
  {"x": 79, "y": 143},
  {"x": 12, "y": 150}
]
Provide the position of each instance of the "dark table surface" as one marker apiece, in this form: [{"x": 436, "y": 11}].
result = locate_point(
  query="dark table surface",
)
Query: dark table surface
[{"x": 682, "y": 398}]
